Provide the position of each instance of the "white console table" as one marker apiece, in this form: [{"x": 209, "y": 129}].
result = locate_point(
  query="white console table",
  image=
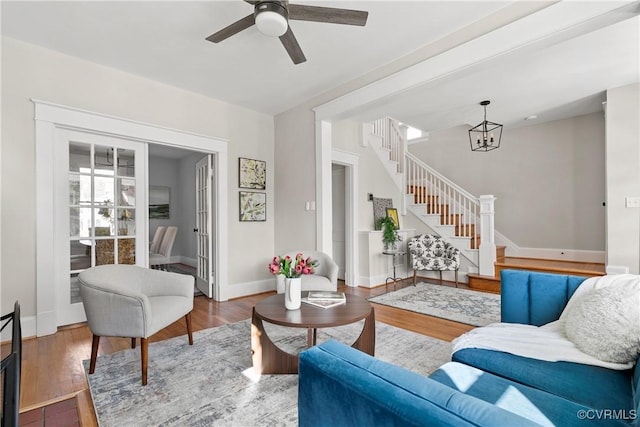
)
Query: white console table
[{"x": 374, "y": 266}]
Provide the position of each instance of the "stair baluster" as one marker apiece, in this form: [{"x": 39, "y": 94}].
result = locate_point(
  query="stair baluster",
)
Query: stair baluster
[{"x": 451, "y": 203}]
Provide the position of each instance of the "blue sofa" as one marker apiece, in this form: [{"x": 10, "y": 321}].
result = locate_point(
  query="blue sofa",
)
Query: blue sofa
[{"x": 342, "y": 386}]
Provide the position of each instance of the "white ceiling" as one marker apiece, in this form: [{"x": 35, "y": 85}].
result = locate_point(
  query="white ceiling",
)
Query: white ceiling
[
  {"x": 165, "y": 41},
  {"x": 562, "y": 80}
]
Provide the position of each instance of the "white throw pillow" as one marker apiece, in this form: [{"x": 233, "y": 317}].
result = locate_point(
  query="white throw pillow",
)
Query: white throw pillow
[{"x": 605, "y": 323}]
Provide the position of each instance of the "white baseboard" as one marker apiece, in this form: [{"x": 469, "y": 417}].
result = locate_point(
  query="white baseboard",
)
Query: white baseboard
[
  {"x": 191, "y": 262},
  {"x": 238, "y": 290},
  {"x": 372, "y": 281},
  {"x": 28, "y": 324}
]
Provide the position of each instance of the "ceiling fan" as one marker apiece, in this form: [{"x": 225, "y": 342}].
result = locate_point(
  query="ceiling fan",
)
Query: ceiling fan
[{"x": 272, "y": 19}]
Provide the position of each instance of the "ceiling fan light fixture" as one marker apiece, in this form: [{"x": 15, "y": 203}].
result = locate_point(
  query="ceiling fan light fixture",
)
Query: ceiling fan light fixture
[{"x": 271, "y": 19}]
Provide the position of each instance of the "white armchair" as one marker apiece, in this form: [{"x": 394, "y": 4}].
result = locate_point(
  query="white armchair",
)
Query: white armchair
[
  {"x": 133, "y": 302},
  {"x": 325, "y": 277}
]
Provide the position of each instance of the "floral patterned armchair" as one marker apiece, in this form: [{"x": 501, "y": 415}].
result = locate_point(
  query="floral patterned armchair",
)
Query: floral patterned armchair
[{"x": 432, "y": 253}]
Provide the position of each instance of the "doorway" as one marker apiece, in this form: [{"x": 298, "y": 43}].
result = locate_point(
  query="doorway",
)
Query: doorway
[
  {"x": 346, "y": 214},
  {"x": 53, "y": 123},
  {"x": 338, "y": 217},
  {"x": 185, "y": 178}
]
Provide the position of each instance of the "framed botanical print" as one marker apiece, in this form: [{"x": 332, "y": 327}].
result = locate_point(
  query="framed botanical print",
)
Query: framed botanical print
[
  {"x": 252, "y": 174},
  {"x": 253, "y": 206}
]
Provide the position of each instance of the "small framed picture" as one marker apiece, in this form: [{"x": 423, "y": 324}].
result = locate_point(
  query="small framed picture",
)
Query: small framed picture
[
  {"x": 159, "y": 202},
  {"x": 252, "y": 174},
  {"x": 393, "y": 214},
  {"x": 253, "y": 206}
]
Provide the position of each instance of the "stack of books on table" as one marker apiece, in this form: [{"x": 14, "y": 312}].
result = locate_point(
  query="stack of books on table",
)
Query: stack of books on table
[{"x": 325, "y": 299}]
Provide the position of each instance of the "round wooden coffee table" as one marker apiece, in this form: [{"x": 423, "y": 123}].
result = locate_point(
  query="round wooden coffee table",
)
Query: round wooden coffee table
[{"x": 269, "y": 359}]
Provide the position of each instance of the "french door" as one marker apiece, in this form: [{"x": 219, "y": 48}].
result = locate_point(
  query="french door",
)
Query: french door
[
  {"x": 204, "y": 225},
  {"x": 102, "y": 187}
]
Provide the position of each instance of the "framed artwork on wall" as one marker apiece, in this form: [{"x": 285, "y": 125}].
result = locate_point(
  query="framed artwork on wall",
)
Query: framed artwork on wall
[
  {"x": 393, "y": 214},
  {"x": 159, "y": 198},
  {"x": 253, "y": 206},
  {"x": 379, "y": 209},
  {"x": 252, "y": 173}
]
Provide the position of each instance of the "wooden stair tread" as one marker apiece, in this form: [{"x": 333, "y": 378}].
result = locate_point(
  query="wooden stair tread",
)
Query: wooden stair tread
[
  {"x": 483, "y": 283},
  {"x": 552, "y": 265},
  {"x": 575, "y": 268}
]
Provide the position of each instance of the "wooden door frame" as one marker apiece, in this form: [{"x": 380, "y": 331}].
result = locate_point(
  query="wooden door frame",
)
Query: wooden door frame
[{"x": 48, "y": 118}]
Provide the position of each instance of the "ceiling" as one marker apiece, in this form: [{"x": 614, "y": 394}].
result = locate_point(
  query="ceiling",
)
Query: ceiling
[
  {"x": 562, "y": 80},
  {"x": 165, "y": 41}
]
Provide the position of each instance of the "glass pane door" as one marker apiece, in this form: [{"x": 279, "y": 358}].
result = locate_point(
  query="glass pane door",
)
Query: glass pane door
[{"x": 105, "y": 209}]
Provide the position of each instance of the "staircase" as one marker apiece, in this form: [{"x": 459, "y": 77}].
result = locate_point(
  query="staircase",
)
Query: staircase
[
  {"x": 455, "y": 214},
  {"x": 443, "y": 206},
  {"x": 444, "y": 214}
]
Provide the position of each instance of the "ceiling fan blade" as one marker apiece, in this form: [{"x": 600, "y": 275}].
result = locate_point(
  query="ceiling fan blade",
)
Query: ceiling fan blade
[
  {"x": 293, "y": 48},
  {"x": 327, "y": 14},
  {"x": 232, "y": 29}
]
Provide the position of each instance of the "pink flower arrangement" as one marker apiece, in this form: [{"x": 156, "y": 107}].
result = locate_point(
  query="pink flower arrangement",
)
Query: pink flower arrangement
[{"x": 292, "y": 267}]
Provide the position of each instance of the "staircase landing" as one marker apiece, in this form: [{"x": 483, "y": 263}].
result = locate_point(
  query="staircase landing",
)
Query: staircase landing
[{"x": 492, "y": 284}]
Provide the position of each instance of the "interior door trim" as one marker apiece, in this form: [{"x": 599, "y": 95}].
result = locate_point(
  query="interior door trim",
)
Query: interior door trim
[{"x": 49, "y": 117}]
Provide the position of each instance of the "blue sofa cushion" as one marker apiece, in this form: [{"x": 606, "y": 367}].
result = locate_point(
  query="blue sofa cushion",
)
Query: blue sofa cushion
[
  {"x": 539, "y": 406},
  {"x": 339, "y": 385},
  {"x": 592, "y": 386},
  {"x": 636, "y": 392},
  {"x": 535, "y": 298}
]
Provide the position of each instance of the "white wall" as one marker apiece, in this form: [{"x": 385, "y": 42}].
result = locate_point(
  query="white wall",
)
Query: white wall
[
  {"x": 548, "y": 179},
  {"x": 295, "y": 180},
  {"x": 373, "y": 178},
  {"x": 623, "y": 176},
  {"x": 30, "y": 72}
]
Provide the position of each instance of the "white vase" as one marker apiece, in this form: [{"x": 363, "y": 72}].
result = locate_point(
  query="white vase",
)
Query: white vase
[{"x": 292, "y": 293}]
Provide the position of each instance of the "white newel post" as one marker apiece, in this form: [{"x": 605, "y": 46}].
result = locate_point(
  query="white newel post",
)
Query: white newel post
[
  {"x": 487, "y": 256},
  {"x": 403, "y": 169}
]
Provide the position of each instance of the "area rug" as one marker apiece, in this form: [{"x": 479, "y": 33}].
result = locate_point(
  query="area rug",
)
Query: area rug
[
  {"x": 212, "y": 383},
  {"x": 460, "y": 305}
]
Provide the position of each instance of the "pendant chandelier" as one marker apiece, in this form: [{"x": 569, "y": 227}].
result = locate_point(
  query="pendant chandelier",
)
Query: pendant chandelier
[{"x": 487, "y": 135}]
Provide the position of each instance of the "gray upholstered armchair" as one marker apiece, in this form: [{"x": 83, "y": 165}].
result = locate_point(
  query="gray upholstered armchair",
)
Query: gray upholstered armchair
[
  {"x": 133, "y": 302},
  {"x": 325, "y": 277},
  {"x": 432, "y": 253}
]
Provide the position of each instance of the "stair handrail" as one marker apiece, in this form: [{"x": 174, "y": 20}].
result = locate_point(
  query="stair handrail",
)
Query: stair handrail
[
  {"x": 393, "y": 139},
  {"x": 458, "y": 188},
  {"x": 478, "y": 212},
  {"x": 443, "y": 197}
]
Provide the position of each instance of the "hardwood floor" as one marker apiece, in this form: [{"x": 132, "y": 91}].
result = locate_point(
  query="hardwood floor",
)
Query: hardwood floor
[{"x": 52, "y": 366}]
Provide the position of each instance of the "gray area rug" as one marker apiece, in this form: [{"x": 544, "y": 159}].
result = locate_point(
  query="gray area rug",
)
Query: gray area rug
[
  {"x": 211, "y": 382},
  {"x": 460, "y": 305}
]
